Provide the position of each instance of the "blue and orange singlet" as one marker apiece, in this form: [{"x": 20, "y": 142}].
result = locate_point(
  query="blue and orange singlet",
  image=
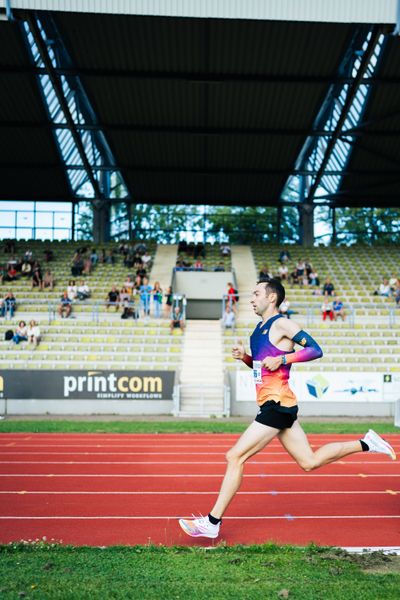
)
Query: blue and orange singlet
[{"x": 275, "y": 384}]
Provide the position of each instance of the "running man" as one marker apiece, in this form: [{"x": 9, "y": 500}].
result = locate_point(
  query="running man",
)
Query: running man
[{"x": 272, "y": 349}]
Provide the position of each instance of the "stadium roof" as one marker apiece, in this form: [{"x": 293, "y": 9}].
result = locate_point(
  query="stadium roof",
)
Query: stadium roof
[{"x": 195, "y": 110}]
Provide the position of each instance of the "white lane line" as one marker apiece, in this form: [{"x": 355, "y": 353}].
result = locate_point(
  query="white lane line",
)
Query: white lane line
[
  {"x": 136, "y": 518},
  {"x": 176, "y": 462},
  {"x": 169, "y": 493},
  {"x": 201, "y": 475}
]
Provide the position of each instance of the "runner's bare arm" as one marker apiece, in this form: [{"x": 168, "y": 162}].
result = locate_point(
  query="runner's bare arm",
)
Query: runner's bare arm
[
  {"x": 239, "y": 352},
  {"x": 290, "y": 330}
]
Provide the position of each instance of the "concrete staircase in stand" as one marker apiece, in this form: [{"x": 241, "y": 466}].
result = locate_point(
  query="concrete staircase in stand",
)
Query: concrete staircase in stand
[
  {"x": 202, "y": 374},
  {"x": 164, "y": 262},
  {"x": 246, "y": 279}
]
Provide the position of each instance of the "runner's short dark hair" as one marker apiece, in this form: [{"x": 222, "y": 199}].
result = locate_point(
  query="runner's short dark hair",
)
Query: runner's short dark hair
[{"x": 275, "y": 287}]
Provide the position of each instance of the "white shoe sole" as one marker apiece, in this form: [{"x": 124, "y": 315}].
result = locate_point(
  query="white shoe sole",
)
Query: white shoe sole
[{"x": 196, "y": 535}]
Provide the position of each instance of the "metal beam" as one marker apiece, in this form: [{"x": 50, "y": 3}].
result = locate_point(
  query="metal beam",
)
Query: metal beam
[
  {"x": 63, "y": 103},
  {"x": 358, "y": 80}
]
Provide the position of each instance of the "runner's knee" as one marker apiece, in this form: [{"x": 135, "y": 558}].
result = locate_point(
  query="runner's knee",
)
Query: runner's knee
[
  {"x": 233, "y": 456},
  {"x": 308, "y": 464}
]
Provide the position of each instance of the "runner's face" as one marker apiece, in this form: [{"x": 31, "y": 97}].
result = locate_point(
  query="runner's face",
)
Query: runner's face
[{"x": 260, "y": 300}]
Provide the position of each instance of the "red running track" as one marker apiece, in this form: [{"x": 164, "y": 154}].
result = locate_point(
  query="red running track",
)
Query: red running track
[{"x": 104, "y": 489}]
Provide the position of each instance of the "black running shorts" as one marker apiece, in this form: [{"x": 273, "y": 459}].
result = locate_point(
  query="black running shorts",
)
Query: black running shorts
[{"x": 271, "y": 413}]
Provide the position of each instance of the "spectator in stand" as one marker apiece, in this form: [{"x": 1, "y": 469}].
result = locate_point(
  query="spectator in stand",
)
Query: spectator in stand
[
  {"x": 140, "y": 247},
  {"x": 9, "y": 247},
  {"x": 225, "y": 250},
  {"x": 157, "y": 299},
  {"x": 26, "y": 269},
  {"x": 3, "y": 274},
  {"x": 283, "y": 272},
  {"x": 137, "y": 260},
  {"x": 87, "y": 264},
  {"x": 300, "y": 270},
  {"x": 129, "y": 284},
  {"x": 72, "y": 290},
  {"x": 397, "y": 293},
  {"x": 112, "y": 298},
  {"x": 328, "y": 288},
  {"x": 110, "y": 259},
  {"x": 168, "y": 301},
  {"x": 229, "y": 319},
  {"x": 338, "y": 309},
  {"x": 284, "y": 309},
  {"x": 124, "y": 300},
  {"x": 147, "y": 260},
  {"x": 145, "y": 296},
  {"x": 11, "y": 273},
  {"x": 20, "y": 334},
  {"x": 137, "y": 283},
  {"x": 33, "y": 333},
  {"x": 393, "y": 282},
  {"x": 8, "y": 305},
  {"x": 177, "y": 320},
  {"x": 94, "y": 257},
  {"x": 198, "y": 265},
  {"x": 65, "y": 306},
  {"x": 326, "y": 308},
  {"x": 28, "y": 256},
  {"x": 265, "y": 274},
  {"x": 293, "y": 277},
  {"x": 284, "y": 256},
  {"x": 48, "y": 255},
  {"x": 199, "y": 250},
  {"x": 182, "y": 246},
  {"x": 141, "y": 272},
  {"x": 384, "y": 289},
  {"x": 48, "y": 280},
  {"x": 83, "y": 291},
  {"x": 309, "y": 267},
  {"x": 313, "y": 278},
  {"x": 102, "y": 257},
  {"x": 232, "y": 297},
  {"x": 220, "y": 267},
  {"x": 37, "y": 277},
  {"x": 77, "y": 265}
]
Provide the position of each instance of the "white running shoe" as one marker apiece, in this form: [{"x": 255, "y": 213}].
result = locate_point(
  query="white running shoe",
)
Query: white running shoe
[
  {"x": 378, "y": 444},
  {"x": 199, "y": 527}
]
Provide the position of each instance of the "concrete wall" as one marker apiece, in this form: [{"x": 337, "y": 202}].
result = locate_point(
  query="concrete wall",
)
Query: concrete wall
[
  {"x": 203, "y": 291},
  {"x": 87, "y": 407}
]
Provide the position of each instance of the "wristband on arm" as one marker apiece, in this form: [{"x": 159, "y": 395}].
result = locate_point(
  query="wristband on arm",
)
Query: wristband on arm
[
  {"x": 248, "y": 360},
  {"x": 311, "y": 350}
]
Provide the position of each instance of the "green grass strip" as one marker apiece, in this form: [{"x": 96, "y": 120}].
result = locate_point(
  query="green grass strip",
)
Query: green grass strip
[
  {"x": 58, "y": 426},
  {"x": 49, "y": 571}
]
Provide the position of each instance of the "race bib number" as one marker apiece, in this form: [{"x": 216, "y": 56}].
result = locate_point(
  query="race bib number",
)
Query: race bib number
[{"x": 257, "y": 371}]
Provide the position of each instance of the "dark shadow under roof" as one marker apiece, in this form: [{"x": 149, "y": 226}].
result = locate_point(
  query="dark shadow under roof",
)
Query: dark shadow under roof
[{"x": 196, "y": 111}]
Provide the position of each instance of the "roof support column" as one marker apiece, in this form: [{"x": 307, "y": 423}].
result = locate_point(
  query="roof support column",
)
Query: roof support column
[{"x": 101, "y": 221}]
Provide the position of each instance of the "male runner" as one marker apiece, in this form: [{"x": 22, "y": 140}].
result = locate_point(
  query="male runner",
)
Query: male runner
[{"x": 272, "y": 352}]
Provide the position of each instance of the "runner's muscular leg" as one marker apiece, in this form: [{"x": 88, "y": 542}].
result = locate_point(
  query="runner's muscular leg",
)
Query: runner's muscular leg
[
  {"x": 295, "y": 441},
  {"x": 254, "y": 439}
]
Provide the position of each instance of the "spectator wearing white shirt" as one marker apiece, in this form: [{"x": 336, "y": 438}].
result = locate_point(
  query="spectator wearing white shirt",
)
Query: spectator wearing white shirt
[
  {"x": 20, "y": 334},
  {"x": 33, "y": 333},
  {"x": 83, "y": 291},
  {"x": 384, "y": 289},
  {"x": 283, "y": 272},
  {"x": 72, "y": 290},
  {"x": 393, "y": 282},
  {"x": 228, "y": 320},
  {"x": 146, "y": 260}
]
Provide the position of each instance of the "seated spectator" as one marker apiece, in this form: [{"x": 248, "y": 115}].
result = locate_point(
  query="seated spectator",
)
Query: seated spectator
[
  {"x": 141, "y": 272},
  {"x": 225, "y": 250},
  {"x": 384, "y": 289},
  {"x": 112, "y": 298},
  {"x": 87, "y": 265},
  {"x": 33, "y": 333},
  {"x": 393, "y": 282},
  {"x": 65, "y": 307},
  {"x": 83, "y": 291},
  {"x": 177, "y": 319},
  {"x": 303, "y": 280},
  {"x": 37, "y": 277},
  {"x": 94, "y": 258},
  {"x": 283, "y": 272},
  {"x": 327, "y": 309},
  {"x": 26, "y": 269},
  {"x": 72, "y": 290},
  {"x": 300, "y": 269},
  {"x": 182, "y": 246},
  {"x": 124, "y": 301},
  {"x": 137, "y": 260},
  {"x": 146, "y": 260},
  {"x": 338, "y": 309},
  {"x": 110, "y": 259},
  {"x": 48, "y": 280},
  {"x": 102, "y": 257},
  {"x": 9, "y": 247},
  {"x": 11, "y": 273},
  {"x": 229, "y": 319},
  {"x": 129, "y": 284},
  {"x": 140, "y": 247},
  {"x": 8, "y": 305},
  {"x": 313, "y": 278},
  {"x": 157, "y": 299},
  {"x": 28, "y": 256},
  {"x": 137, "y": 283},
  {"x": 220, "y": 267},
  {"x": 145, "y": 296},
  {"x": 48, "y": 255},
  {"x": 284, "y": 256},
  {"x": 284, "y": 309},
  {"x": 20, "y": 334},
  {"x": 328, "y": 288},
  {"x": 199, "y": 250},
  {"x": 309, "y": 267},
  {"x": 293, "y": 277},
  {"x": 198, "y": 265},
  {"x": 265, "y": 274}
]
